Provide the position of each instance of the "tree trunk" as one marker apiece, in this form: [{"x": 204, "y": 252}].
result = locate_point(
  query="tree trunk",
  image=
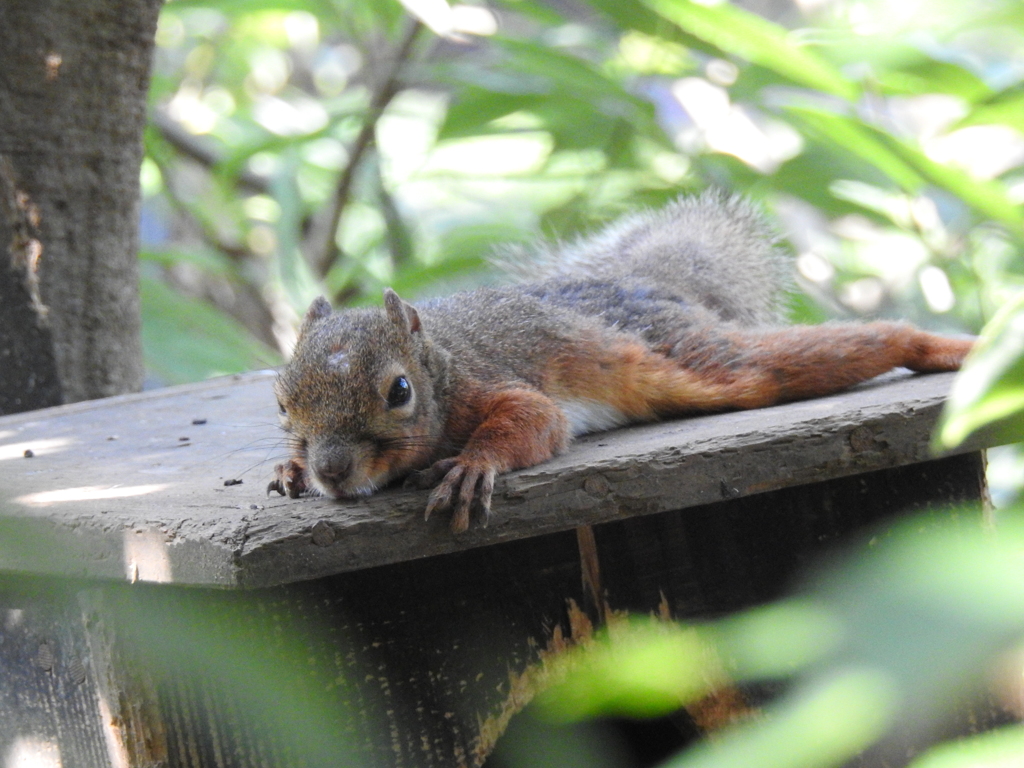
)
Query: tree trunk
[{"x": 73, "y": 82}]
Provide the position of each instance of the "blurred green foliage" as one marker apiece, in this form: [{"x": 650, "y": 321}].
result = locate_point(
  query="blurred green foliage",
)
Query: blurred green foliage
[
  {"x": 336, "y": 146},
  {"x": 1001, "y": 748},
  {"x": 989, "y": 398},
  {"x": 895, "y": 638}
]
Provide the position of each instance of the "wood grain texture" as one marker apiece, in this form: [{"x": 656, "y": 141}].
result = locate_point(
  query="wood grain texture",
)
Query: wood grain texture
[{"x": 130, "y": 488}]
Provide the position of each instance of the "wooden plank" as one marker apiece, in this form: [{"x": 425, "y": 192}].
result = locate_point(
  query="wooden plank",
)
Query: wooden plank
[{"x": 132, "y": 487}]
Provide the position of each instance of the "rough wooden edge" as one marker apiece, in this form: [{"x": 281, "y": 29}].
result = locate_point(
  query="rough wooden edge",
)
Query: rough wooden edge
[
  {"x": 643, "y": 470},
  {"x": 609, "y": 476}
]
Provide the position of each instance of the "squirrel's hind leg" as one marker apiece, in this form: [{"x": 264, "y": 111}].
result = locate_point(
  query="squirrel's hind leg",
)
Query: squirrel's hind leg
[
  {"x": 717, "y": 368},
  {"x": 757, "y": 368}
]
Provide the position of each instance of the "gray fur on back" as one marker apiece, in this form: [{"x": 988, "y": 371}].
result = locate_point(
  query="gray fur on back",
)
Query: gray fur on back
[{"x": 714, "y": 250}]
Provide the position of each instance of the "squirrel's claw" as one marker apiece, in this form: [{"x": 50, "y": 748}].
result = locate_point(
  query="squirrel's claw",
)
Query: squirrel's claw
[
  {"x": 429, "y": 477},
  {"x": 289, "y": 479},
  {"x": 441, "y": 497},
  {"x": 461, "y": 477}
]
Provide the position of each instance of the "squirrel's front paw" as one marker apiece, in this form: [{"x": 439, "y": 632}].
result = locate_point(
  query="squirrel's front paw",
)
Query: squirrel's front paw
[
  {"x": 289, "y": 479},
  {"x": 464, "y": 480}
]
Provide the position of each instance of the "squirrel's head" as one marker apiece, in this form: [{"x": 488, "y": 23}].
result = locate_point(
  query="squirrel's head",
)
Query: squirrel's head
[{"x": 358, "y": 396}]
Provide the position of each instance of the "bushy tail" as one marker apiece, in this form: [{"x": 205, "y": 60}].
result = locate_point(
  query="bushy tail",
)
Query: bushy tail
[{"x": 715, "y": 249}]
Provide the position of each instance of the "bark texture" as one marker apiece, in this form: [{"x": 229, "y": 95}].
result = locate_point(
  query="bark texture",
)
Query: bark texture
[
  {"x": 28, "y": 371},
  {"x": 73, "y": 82}
]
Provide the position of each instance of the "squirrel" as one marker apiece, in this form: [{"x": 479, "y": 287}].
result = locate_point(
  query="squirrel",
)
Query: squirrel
[{"x": 661, "y": 314}]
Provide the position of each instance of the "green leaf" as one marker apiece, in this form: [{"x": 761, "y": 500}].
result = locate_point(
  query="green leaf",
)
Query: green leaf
[
  {"x": 1007, "y": 108},
  {"x": 1000, "y": 748},
  {"x": 273, "y": 684},
  {"x": 645, "y": 669},
  {"x": 902, "y": 68},
  {"x": 502, "y": 78},
  {"x": 462, "y": 262},
  {"x": 827, "y": 723},
  {"x": 463, "y": 255},
  {"x": 750, "y": 37},
  {"x": 538, "y": 11},
  {"x": 811, "y": 174},
  {"x": 928, "y": 75},
  {"x": 581, "y": 106},
  {"x": 858, "y": 139},
  {"x": 571, "y": 75},
  {"x": 987, "y": 197},
  {"x": 778, "y": 640},
  {"x": 476, "y": 107},
  {"x": 907, "y": 165},
  {"x": 632, "y": 16},
  {"x": 988, "y": 395},
  {"x": 189, "y": 340}
]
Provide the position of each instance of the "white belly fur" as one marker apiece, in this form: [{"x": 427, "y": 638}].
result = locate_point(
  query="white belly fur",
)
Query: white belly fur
[{"x": 591, "y": 416}]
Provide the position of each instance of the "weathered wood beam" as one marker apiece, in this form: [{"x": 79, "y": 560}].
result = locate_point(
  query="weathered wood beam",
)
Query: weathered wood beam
[{"x": 134, "y": 487}]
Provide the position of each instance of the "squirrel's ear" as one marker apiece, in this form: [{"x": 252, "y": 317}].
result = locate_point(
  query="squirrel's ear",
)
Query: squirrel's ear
[
  {"x": 401, "y": 313},
  {"x": 319, "y": 309}
]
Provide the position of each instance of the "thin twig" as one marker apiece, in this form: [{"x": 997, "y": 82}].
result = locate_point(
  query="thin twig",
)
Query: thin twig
[{"x": 324, "y": 253}]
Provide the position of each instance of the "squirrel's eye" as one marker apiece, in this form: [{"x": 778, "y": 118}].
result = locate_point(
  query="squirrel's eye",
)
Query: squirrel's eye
[
  {"x": 400, "y": 392},
  {"x": 281, "y": 409}
]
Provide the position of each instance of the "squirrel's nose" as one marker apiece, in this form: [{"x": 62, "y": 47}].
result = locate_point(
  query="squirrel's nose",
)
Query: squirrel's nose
[{"x": 333, "y": 468}]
